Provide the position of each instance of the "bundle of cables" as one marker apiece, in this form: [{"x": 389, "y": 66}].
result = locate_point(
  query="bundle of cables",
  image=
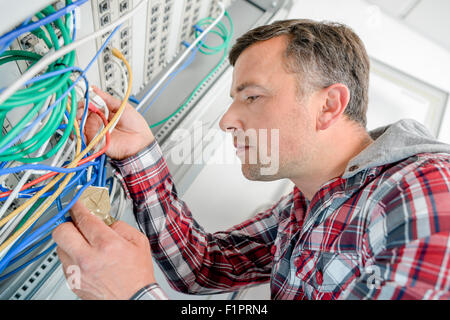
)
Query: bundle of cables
[
  {"x": 47, "y": 144},
  {"x": 48, "y": 132}
]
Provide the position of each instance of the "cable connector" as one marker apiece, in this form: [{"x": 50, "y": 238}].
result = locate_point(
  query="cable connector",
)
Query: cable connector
[
  {"x": 196, "y": 27},
  {"x": 96, "y": 199}
]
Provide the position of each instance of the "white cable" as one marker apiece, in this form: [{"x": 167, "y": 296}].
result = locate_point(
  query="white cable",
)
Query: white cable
[
  {"x": 59, "y": 159},
  {"x": 53, "y": 56},
  {"x": 113, "y": 188},
  {"x": 122, "y": 203},
  {"x": 89, "y": 173},
  {"x": 180, "y": 59},
  {"x": 122, "y": 73},
  {"x": 25, "y": 177},
  {"x": 11, "y": 224}
]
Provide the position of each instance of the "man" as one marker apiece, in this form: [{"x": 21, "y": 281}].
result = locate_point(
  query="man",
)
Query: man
[{"x": 368, "y": 218}]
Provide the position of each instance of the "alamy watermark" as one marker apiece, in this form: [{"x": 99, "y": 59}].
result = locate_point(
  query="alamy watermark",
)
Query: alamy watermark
[
  {"x": 374, "y": 280},
  {"x": 259, "y": 147},
  {"x": 73, "y": 277}
]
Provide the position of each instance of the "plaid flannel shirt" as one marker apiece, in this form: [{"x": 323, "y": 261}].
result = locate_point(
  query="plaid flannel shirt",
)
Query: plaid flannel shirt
[{"x": 383, "y": 233}]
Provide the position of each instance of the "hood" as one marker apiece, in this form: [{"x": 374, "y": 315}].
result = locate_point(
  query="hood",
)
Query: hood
[{"x": 393, "y": 143}]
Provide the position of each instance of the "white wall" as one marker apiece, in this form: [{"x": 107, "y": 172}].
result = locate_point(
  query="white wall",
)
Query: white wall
[{"x": 387, "y": 40}]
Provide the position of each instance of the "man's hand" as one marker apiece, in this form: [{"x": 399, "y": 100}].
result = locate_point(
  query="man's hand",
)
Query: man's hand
[
  {"x": 114, "y": 262},
  {"x": 131, "y": 134}
]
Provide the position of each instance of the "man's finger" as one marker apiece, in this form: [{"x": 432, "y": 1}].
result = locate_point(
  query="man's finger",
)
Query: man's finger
[
  {"x": 93, "y": 124},
  {"x": 80, "y": 104},
  {"x": 80, "y": 112},
  {"x": 91, "y": 227},
  {"x": 69, "y": 239},
  {"x": 112, "y": 103},
  {"x": 128, "y": 232},
  {"x": 65, "y": 258}
]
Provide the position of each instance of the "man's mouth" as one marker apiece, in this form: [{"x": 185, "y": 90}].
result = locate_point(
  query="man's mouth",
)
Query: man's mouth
[{"x": 241, "y": 149}]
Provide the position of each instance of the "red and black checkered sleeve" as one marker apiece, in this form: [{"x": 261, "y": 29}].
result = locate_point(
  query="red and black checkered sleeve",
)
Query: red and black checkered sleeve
[{"x": 193, "y": 260}]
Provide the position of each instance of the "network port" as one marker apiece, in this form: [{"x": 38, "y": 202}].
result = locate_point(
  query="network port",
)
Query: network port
[
  {"x": 108, "y": 67},
  {"x": 103, "y": 6},
  {"x": 124, "y": 33},
  {"x": 104, "y": 20},
  {"x": 124, "y": 5}
]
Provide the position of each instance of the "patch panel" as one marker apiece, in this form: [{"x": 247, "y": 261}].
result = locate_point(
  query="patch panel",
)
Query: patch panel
[
  {"x": 156, "y": 14},
  {"x": 104, "y": 12},
  {"x": 192, "y": 13}
]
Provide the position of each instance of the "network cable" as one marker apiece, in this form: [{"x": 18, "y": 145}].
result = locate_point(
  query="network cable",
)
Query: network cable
[
  {"x": 181, "y": 58},
  {"x": 226, "y": 36},
  {"x": 48, "y": 59},
  {"x": 105, "y": 131},
  {"x": 172, "y": 76},
  {"x": 51, "y": 79}
]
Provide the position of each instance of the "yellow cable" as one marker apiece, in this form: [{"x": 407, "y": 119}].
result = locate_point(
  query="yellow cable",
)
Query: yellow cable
[
  {"x": 65, "y": 181},
  {"x": 73, "y": 164}
]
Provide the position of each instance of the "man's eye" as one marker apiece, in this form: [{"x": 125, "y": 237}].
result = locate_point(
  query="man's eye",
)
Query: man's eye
[{"x": 252, "y": 98}]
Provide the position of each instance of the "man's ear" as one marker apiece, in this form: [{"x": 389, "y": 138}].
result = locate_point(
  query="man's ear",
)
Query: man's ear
[{"x": 336, "y": 98}]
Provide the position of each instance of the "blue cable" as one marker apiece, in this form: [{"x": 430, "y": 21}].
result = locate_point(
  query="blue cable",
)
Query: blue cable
[
  {"x": 45, "y": 228},
  {"x": 133, "y": 99},
  {"x": 6, "y": 46},
  {"x": 50, "y": 224},
  {"x": 108, "y": 183},
  {"x": 14, "y": 34},
  {"x": 103, "y": 182},
  {"x": 30, "y": 192},
  {"x": 86, "y": 96},
  {"x": 46, "y": 251},
  {"x": 58, "y": 202},
  {"x": 74, "y": 26},
  {"x": 100, "y": 170},
  {"x": 173, "y": 75},
  {"x": 52, "y": 74},
  {"x": 27, "y": 251},
  {"x": 21, "y": 238},
  {"x": 50, "y": 108},
  {"x": 27, "y": 241},
  {"x": 44, "y": 167}
]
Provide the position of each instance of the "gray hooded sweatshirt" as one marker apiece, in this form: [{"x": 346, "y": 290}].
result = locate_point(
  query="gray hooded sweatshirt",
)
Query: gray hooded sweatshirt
[{"x": 394, "y": 143}]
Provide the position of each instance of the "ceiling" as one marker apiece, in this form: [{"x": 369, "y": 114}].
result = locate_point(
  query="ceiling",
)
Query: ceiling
[{"x": 428, "y": 17}]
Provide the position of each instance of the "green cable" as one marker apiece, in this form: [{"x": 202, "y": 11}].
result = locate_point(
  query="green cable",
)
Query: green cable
[
  {"x": 194, "y": 92},
  {"x": 37, "y": 94},
  {"x": 22, "y": 123},
  {"x": 43, "y": 135},
  {"x": 2, "y": 122},
  {"x": 41, "y": 35},
  {"x": 26, "y": 54}
]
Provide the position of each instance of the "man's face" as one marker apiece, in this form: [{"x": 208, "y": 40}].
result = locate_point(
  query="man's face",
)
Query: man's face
[{"x": 265, "y": 96}]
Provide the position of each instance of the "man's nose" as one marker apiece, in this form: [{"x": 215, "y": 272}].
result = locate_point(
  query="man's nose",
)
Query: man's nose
[{"x": 231, "y": 120}]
